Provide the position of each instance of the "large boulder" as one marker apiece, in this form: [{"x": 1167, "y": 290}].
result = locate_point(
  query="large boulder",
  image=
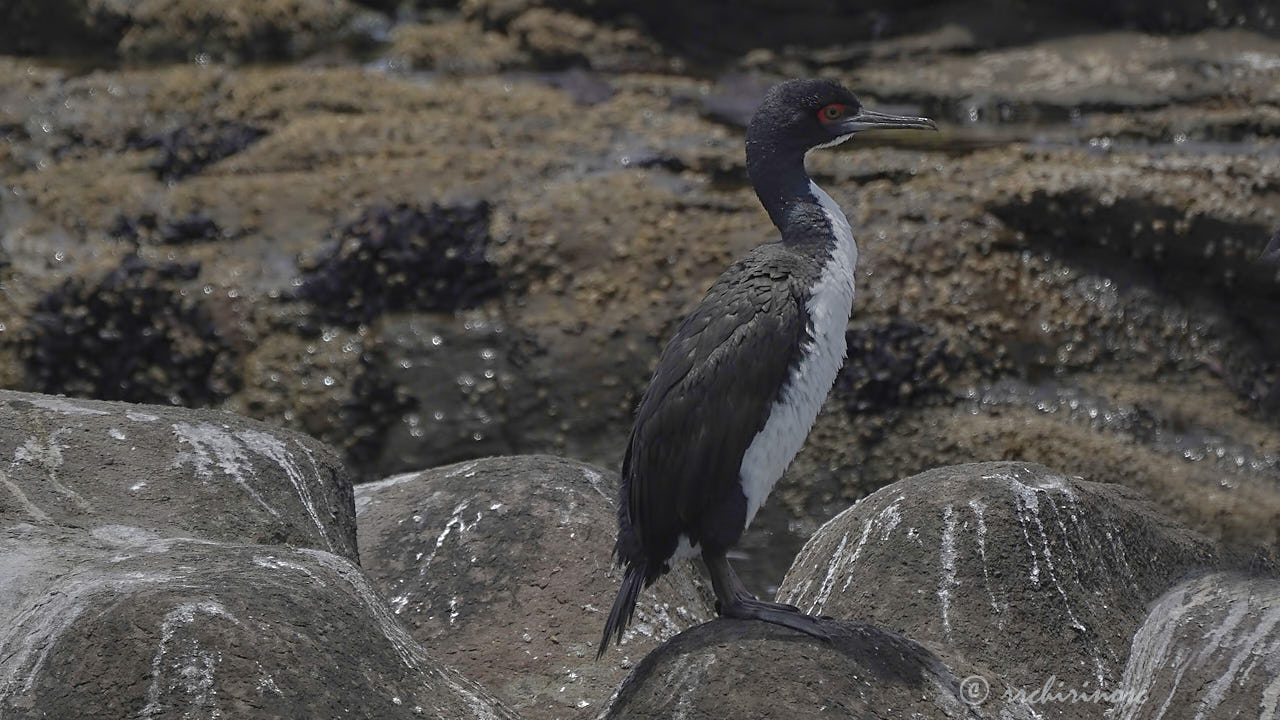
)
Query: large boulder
[
  {"x": 172, "y": 472},
  {"x": 135, "y": 625},
  {"x": 1209, "y": 648},
  {"x": 1009, "y": 566},
  {"x": 749, "y": 669},
  {"x": 503, "y": 567}
]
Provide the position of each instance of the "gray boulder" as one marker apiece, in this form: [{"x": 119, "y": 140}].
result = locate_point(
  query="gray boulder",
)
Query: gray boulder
[
  {"x": 503, "y": 566},
  {"x": 1009, "y": 566},
  {"x": 134, "y": 625},
  {"x": 1209, "y": 649},
  {"x": 747, "y": 669},
  {"x": 170, "y": 471}
]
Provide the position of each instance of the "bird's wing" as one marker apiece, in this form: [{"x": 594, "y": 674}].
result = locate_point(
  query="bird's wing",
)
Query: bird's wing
[{"x": 709, "y": 397}]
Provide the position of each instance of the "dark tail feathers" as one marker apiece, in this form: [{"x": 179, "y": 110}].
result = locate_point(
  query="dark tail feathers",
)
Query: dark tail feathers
[{"x": 624, "y": 605}]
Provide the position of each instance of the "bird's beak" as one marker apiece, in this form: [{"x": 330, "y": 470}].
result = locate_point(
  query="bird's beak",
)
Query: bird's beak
[{"x": 872, "y": 120}]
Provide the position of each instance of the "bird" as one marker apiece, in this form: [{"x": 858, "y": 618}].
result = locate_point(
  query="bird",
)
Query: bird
[{"x": 739, "y": 384}]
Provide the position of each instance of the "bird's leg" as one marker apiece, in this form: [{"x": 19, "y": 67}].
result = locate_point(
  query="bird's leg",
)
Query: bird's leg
[{"x": 733, "y": 600}]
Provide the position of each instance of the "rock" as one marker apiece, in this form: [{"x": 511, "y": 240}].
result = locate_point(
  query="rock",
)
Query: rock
[
  {"x": 740, "y": 668},
  {"x": 130, "y": 335},
  {"x": 1009, "y": 566},
  {"x": 171, "y": 473},
  {"x": 194, "y": 227},
  {"x": 152, "y": 627},
  {"x": 463, "y": 383},
  {"x": 1060, "y": 78},
  {"x": 242, "y": 30},
  {"x": 555, "y": 40},
  {"x": 455, "y": 47},
  {"x": 503, "y": 566},
  {"x": 612, "y": 209},
  {"x": 187, "y": 149},
  {"x": 404, "y": 258},
  {"x": 1209, "y": 648},
  {"x": 182, "y": 30}
]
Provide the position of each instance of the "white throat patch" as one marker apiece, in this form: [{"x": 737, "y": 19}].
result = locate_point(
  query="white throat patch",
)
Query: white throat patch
[{"x": 797, "y": 406}]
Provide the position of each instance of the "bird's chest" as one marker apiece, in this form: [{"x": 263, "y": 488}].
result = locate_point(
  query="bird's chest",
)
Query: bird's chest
[{"x": 801, "y": 397}]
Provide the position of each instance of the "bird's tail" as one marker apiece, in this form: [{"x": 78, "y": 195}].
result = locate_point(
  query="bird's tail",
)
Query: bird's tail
[{"x": 624, "y": 605}]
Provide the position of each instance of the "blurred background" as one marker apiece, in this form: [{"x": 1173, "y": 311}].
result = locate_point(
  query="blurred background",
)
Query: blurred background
[{"x": 432, "y": 230}]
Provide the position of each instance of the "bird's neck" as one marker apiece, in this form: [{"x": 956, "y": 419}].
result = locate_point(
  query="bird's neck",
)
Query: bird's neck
[{"x": 805, "y": 215}]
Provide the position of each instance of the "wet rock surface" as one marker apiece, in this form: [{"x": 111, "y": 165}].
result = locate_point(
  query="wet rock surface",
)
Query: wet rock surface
[
  {"x": 1208, "y": 649},
  {"x": 1067, "y": 273},
  {"x": 1007, "y": 566},
  {"x": 502, "y": 566},
  {"x": 213, "y": 629},
  {"x": 161, "y": 561},
  {"x": 171, "y": 471},
  {"x": 864, "y": 672}
]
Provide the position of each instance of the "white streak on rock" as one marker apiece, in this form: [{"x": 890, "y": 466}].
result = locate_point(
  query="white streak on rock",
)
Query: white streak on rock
[
  {"x": 888, "y": 517},
  {"x": 1066, "y": 539},
  {"x": 462, "y": 469},
  {"x": 1150, "y": 649},
  {"x": 31, "y": 633},
  {"x": 824, "y": 591},
  {"x": 398, "y": 602},
  {"x": 127, "y": 536},
  {"x": 947, "y": 554},
  {"x": 210, "y": 444},
  {"x": 267, "y": 684},
  {"x": 274, "y": 449},
  {"x": 22, "y": 499},
  {"x": 61, "y": 405},
  {"x": 1245, "y": 648},
  {"x": 849, "y": 562},
  {"x": 1118, "y": 548},
  {"x": 271, "y": 562},
  {"x": 978, "y": 508},
  {"x": 117, "y": 434},
  {"x": 365, "y": 493},
  {"x": 194, "y": 665},
  {"x": 1020, "y": 510},
  {"x": 594, "y": 479},
  {"x": 411, "y": 653},
  {"x": 48, "y": 455},
  {"x": 1270, "y": 703},
  {"x": 140, "y": 416},
  {"x": 689, "y": 682},
  {"x": 1028, "y": 501},
  {"x": 454, "y": 521}
]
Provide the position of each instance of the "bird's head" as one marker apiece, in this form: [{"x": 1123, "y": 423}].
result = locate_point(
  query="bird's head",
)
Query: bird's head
[{"x": 800, "y": 115}]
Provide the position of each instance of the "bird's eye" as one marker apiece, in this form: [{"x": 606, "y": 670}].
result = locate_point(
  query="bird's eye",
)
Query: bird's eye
[{"x": 831, "y": 112}]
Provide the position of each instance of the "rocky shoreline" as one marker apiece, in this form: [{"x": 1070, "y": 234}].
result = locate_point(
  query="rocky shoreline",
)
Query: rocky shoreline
[
  {"x": 163, "y": 561},
  {"x": 425, "y": 233}
]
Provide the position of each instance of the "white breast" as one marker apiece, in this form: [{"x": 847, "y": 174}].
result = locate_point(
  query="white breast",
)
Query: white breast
[{"x": 792, "y": 415}]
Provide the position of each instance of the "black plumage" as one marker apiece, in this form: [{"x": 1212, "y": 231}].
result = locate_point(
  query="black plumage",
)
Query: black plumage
[{"x": 724, "y": 370}]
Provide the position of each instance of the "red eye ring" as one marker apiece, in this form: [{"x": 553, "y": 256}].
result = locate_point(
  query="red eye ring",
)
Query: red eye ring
[{"x": 831, "y": 112}]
